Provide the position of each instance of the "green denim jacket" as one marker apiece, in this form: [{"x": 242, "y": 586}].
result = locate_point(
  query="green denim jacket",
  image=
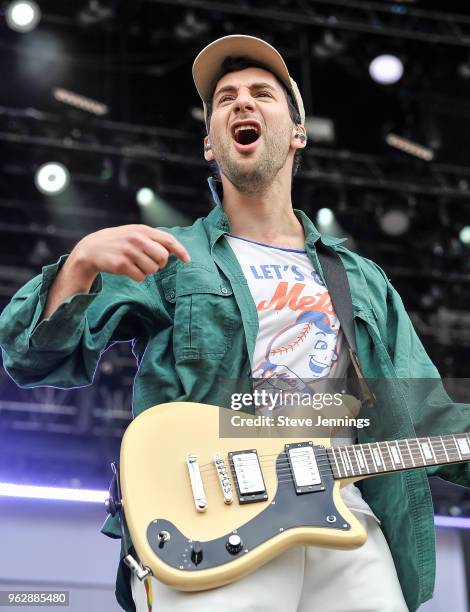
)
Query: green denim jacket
[{"x": 194, "y": 325}]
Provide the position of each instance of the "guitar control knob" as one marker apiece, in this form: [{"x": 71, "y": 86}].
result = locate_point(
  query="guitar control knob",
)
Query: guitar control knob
[
  {"x": 234, "y": 544},
  {"x": 196, "y": 553}
]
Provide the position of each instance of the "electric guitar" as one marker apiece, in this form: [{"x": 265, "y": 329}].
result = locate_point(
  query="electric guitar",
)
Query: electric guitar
[{"x": 203, "y": 510}]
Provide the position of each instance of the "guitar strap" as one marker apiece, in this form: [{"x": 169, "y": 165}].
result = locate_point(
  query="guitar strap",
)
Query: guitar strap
[{"x": 340, "y": 294}]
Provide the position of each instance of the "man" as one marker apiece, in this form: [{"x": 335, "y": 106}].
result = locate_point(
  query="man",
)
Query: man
[{"x": 238, "y": 293}]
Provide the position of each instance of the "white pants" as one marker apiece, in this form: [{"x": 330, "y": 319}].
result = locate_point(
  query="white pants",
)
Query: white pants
[{"x": 303, "y": 579}]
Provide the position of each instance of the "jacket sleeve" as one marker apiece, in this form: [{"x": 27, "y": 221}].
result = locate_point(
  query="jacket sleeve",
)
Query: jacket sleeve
[
  {"x": 432, "y": 410},
  {"x": 64, "y": 349}
]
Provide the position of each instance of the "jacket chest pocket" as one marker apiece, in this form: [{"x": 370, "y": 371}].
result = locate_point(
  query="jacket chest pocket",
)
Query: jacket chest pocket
[
  {"x": 206, "y": 314},
  {"x": 373, "y": 354}
]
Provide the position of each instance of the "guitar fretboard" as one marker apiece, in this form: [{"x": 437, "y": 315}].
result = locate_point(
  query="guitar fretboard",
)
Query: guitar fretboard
[{"x": 396, "y": 455}]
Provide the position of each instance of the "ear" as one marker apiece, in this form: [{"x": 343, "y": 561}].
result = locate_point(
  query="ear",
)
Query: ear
[
  {"x": 299, "y": 137},
  {"x": 208, "y": 155}
]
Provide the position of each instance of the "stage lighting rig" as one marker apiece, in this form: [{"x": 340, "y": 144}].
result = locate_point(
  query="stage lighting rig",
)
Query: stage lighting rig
[
  {"x": 410, "y": 147},
  {"x": 395, "y": 215},
  {"x": 23, "y": 16},
  {"x": 94, "y": 13},
  {"x": 52, "y": 178},
  {"x": 78, "y": 101},
  {"x": 386, "y": 69}
]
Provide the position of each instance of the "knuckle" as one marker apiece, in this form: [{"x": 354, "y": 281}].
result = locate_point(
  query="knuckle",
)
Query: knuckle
[
  {"x": 126, "y": 252},
  {"x": 135, "y": 239},
  {"x": 121, "y": 265}
]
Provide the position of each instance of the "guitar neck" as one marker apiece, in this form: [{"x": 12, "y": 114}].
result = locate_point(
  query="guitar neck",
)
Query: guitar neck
[{"x": 381, "y": 457}]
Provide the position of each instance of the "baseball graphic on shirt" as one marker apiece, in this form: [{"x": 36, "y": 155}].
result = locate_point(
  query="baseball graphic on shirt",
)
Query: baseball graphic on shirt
[{"x": 313, "y": 335}]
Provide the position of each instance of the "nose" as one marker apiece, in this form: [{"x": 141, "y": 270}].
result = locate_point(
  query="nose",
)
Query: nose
[{"x": 244, "y": 101}]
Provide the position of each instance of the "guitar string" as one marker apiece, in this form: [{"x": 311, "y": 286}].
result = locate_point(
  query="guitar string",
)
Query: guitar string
[
  {"x": 367, "y": 456},
  {"x": 326, "y": 466},
  {"x": 364, "y": 445},
  {"x": 213, "y": 476},
  {"x": 365, "y": 450},
  {"x": 331, "y": 473}
]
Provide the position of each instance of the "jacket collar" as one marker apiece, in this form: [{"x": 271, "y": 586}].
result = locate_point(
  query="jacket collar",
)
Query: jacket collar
[{"x": 217, "y": 221}]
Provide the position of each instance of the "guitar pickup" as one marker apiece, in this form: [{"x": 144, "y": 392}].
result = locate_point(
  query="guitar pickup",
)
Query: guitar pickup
[
  {"x": 247, "y": 476},
  {"x": 224, "y": 480},
  {"x": 304, "y": 468}
]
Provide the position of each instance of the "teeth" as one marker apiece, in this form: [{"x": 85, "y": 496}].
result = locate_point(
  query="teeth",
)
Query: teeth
[{"x": 239, "y": 128}]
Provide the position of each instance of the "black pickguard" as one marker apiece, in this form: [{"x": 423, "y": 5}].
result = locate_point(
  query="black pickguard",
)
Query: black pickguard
[{"x": 286, "y": 511}]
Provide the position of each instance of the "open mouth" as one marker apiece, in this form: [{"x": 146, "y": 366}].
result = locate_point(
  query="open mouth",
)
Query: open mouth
[{"x": 246, "y": 134}]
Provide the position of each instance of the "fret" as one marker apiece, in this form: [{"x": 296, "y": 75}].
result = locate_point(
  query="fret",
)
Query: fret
[
  {"x": 336, "y": 461},
  {"x": 432, "y": 449},
  {"x": 450, "y": 449},
  {"x": 363, "y": 453},
  {"x": 444, "y": 447},
  {"x": 346, "y": 458},
  {"x": 345, "y": 470},
  {"x": 457, "y": 447},
  {"x": 355, "y": 469},
  {"x": 390, "y": 455},
  {"x": 426, "y": 450},
  {"x": 403, "y": 462},
  {"x": 402, "y": 448},
  {"x": 381, "y": 456},
  {"x": 455, "y": 450},
  {"x": 420, "y": 450},
  {"x": 360, "y": 449},
  {"x": 368, "y": 457},
  {"x": 411, "y": 454},
  {"x": 385, "y": 458},
  {"x": 399, "y": 452},
  {"x": 359, "y": 458},
  {"x": 377, "y": 457},
  {"x": 372, "y": 457},
  {"x": 396, "y": 456},
  {"x": 463, "y": 446}
]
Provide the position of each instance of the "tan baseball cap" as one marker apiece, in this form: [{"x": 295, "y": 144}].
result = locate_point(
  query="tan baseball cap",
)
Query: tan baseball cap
[{"x": 208, "y": 65}]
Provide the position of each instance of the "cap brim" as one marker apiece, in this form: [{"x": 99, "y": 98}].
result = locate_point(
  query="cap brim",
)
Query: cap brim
[{"x": 208, "y": 64}]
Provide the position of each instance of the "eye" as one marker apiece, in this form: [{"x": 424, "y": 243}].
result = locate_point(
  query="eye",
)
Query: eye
[
  {"x": 264, "y": 93},
  {"x": 224, "y": 98}
]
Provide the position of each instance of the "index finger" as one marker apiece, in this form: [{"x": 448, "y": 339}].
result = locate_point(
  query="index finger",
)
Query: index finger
[{"x": 170, "y": 243}]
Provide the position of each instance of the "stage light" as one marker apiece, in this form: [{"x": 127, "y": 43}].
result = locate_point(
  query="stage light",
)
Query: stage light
[
  {"x": 320, "y": 129},
  {"x": 330, "y": 45},
  {"x": 145, "y": 196},
  {"x": 52, "y": 178},
  {"x": 95, "y": 13},
  {"x": 78, "y": 101},
  {"x": 197, "y": 112},
  {"x": 410, "y": 147},
  {"x": 386, "y": 69},
  {"x": 325, "y": 217},
  {"x": 459, "y": 522},
  {"x": 464, "y": 234},
  {"x": 23, "y": 16},
  {"x": 56, "y": 493},
  {"x": 394, "y": 222}
]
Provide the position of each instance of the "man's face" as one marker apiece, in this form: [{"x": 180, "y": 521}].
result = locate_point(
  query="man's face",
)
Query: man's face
[{"x": 251, "y": 130}]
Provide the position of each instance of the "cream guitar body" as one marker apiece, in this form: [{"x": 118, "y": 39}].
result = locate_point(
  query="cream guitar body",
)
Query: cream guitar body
[{"x": 204, "y": 511}]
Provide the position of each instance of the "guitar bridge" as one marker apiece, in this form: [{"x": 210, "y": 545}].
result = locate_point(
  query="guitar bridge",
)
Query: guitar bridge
[{"x": 247, "y": 476}]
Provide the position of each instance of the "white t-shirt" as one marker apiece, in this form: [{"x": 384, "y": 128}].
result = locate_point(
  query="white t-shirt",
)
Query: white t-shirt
[{"x": 299, "y": 336}]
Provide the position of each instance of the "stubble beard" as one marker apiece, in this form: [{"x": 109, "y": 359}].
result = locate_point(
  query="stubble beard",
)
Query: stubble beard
[{"x": 256, "y": 175}]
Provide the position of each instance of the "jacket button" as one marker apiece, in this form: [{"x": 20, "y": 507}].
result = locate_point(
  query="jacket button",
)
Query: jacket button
[
  {"x": 171, "y": 294},
  {"x": 224, "y": 290}
]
